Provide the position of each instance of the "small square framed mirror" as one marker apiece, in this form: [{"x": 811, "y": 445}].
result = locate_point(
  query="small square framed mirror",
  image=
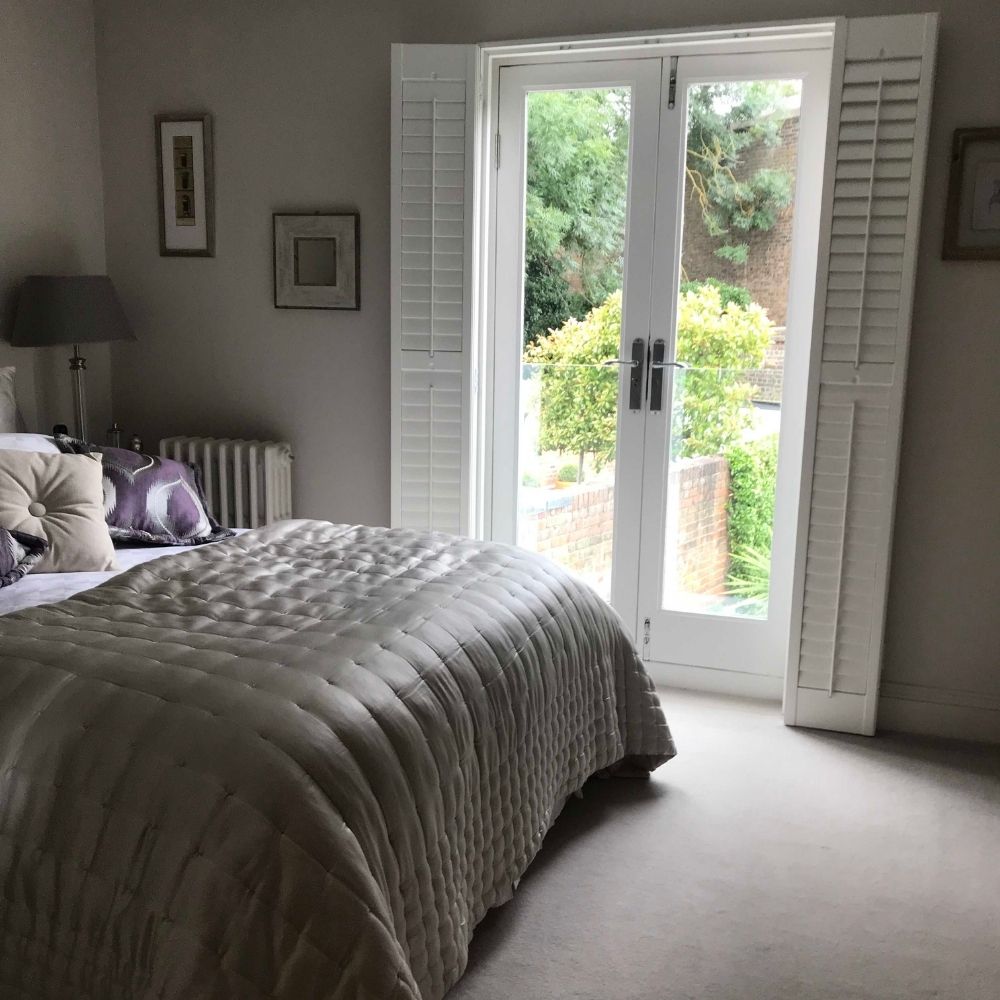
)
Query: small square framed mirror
[{"x": 316, "y": 261}]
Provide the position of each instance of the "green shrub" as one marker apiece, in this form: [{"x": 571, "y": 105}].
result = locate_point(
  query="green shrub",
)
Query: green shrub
[
  {"x": 717, "y": 336},
  {"x": 750, "y": 576},
  {"x": 529, "y": 480},
  {"x": 727, "y": 293},
  {"x": 753, "y": 469},
  {"x": 578, "y": 397},
  {"x": 719, "y": 343},
  {"x": 569, "y": 474}
]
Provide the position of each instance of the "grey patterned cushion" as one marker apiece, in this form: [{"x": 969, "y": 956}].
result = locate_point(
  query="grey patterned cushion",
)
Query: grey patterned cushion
[
  {"x": 150, "y": 499},
  {"x": 19, "y": 554}
]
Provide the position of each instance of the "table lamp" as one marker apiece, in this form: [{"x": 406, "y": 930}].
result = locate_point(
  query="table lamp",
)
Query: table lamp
[{"x": 80, "y": 309}]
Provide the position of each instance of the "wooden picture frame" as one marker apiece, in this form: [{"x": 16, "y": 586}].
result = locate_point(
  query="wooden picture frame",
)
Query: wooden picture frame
[
  {"x": 185, "y": 185},
  {"x": 972, "y": 220},
  {"x": 317, "y": 260}
]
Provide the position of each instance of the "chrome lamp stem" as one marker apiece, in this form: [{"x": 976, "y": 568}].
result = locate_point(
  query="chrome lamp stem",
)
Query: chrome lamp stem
[{"x": 77, "y": 367}]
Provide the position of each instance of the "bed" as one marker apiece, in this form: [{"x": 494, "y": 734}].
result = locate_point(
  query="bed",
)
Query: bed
[{"x": 301, "y": 763}]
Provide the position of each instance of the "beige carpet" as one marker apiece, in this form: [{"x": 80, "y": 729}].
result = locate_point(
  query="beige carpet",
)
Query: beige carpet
[{"x": 762, "y": 862}]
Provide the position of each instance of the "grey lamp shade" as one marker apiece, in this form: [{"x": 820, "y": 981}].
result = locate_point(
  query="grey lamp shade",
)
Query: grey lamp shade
[{"x": 79, "y": 309}]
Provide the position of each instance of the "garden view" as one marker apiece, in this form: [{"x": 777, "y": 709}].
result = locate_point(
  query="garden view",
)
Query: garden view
[{"x": 730, "y": 336}]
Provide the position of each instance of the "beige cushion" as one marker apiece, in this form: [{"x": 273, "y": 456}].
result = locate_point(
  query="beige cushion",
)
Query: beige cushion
[{"x": 61, "y": 498}]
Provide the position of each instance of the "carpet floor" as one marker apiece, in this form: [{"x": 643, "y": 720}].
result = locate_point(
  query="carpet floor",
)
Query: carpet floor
[{"x": 762, "y": 862}]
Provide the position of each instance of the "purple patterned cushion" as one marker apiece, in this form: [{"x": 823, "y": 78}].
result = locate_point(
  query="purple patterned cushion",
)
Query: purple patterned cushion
[
  {"x": 156, "y": 500},
  {"x": 19, "y": 554}
]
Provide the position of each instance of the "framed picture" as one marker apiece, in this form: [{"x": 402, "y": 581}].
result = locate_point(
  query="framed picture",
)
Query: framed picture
[
  {"x": 972, "y": 225},
  {"x": 316, "y": 261},
  {"x": 185, "y": 184}
]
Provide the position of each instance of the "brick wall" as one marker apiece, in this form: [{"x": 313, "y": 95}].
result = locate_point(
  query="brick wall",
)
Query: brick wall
[
  {"x": 769, "y": 380},
  {"x": 699, "y": 487},
  {"x": 765, "y": 273},
  {"x": 575, "y": 526}
]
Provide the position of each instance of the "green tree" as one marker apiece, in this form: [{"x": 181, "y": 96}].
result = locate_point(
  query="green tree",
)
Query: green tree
[
  {"x": 724, "y": 121},
  {"x": 579, "y": 399},
  {"x": 577, "y": 180}
]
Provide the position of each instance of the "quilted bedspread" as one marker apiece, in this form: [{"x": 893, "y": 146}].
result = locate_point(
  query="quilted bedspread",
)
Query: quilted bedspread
[{"x": 298, "y": 764}]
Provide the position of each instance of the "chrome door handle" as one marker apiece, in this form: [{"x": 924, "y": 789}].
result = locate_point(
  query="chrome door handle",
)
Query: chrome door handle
[
  {"x": 635, "y": 378},
  {"x": 656, "y": 366}
]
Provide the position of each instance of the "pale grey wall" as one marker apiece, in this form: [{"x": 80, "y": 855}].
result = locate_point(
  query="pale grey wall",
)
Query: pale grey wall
[
  {"x": 300, "y": 94},
  {"x": 300, "y": 98},
  {"x": 51, "y": 195}
]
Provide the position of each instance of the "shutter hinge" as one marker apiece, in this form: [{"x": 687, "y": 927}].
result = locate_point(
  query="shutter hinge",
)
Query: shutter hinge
[
  {"x": 672, "y": 86},
  {"x": 496, "y": 151},
  {"x": 645, "y": 639}
]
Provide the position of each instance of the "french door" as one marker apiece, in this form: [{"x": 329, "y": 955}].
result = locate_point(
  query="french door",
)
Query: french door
[{"x": 623, "y": 434}]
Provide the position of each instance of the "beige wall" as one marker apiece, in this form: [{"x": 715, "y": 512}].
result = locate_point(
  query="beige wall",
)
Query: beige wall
[
  {"x": 51, "y": 199},
  {"x": 300, "y": 95}
]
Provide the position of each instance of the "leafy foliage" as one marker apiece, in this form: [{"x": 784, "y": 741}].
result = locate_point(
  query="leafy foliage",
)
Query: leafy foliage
[
  {"x": 577, "y": 180},
  {"x": 727, "y": 293},
  {"x": 753, "y": 470},
  {"x": 578, "y": 397},
  {"x": 577, "y": 176},
  {"x": 750, "y": 576},
  {"x": 719, "y": 343},
  {"x": 569, "y": 474},
  {"x": 724, "y": 121},
  {"x": 712, "y": 401}
]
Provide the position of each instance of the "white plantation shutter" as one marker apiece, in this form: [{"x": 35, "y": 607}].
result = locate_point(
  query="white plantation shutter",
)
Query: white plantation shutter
[
  {"x": 864, "y": 301},
  {"x": 432, "y": 216}
]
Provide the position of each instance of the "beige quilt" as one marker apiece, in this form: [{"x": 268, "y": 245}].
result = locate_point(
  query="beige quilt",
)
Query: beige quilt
[{"x": 302, "y": 763}]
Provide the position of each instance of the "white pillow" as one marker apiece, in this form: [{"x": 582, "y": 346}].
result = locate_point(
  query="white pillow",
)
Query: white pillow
[
  {"x": 8, "y": 408},
  {"x": 28, "y": 442}
]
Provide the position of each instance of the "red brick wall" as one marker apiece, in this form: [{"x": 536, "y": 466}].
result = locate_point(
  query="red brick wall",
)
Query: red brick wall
[
  {"x": 702, "y": 486},
  {"x": 576, "y": 527}
]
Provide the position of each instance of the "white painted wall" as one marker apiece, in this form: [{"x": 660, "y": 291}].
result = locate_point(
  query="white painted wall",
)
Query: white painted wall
[
  {"x": 300, "y": 94},
  {"x": 51, "y": 197}
]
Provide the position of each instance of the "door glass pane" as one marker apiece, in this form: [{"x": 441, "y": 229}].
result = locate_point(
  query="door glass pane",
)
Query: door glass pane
[
  {"x": 576, "y": 188},
  {"x": 725, "y": 420}
]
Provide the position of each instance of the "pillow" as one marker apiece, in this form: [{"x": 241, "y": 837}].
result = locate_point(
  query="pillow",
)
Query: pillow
[
  {"x": 19, "y": 554},
  {"x": 8, "y": 408},
  {"x": 60, "y": 499},
  {"x": 154, "y": 500},
  {"x": 28, "y": 442}
]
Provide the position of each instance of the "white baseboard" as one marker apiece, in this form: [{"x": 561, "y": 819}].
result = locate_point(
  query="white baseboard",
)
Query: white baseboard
[
  {"x": 931, "y": 711},
  {"x": 730, "y": 682}
]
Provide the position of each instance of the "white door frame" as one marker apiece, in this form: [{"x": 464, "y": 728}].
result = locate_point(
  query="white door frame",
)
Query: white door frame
[
  {"x": 773, "y": 36},
  {"x": 714, "y": 642},
  {"x": 642, "y": 76}
]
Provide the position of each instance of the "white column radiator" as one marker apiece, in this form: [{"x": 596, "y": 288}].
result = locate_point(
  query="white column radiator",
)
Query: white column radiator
[{"x": 247, "y": 483}]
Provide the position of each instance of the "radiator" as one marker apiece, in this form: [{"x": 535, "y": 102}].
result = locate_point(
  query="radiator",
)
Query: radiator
[{"x": 247, "y": 483}]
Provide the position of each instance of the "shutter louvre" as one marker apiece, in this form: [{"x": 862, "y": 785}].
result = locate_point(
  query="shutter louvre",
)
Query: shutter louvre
[
  {"x": 433, "y": 89},
  {"x": 866, "y": 292}
]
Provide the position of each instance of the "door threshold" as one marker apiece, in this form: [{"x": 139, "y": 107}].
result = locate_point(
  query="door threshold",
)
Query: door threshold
[{"x": 731, "y": 682}]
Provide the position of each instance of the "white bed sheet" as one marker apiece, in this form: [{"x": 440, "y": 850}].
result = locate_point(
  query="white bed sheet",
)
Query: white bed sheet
[{"x": 36, "y": 589}]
